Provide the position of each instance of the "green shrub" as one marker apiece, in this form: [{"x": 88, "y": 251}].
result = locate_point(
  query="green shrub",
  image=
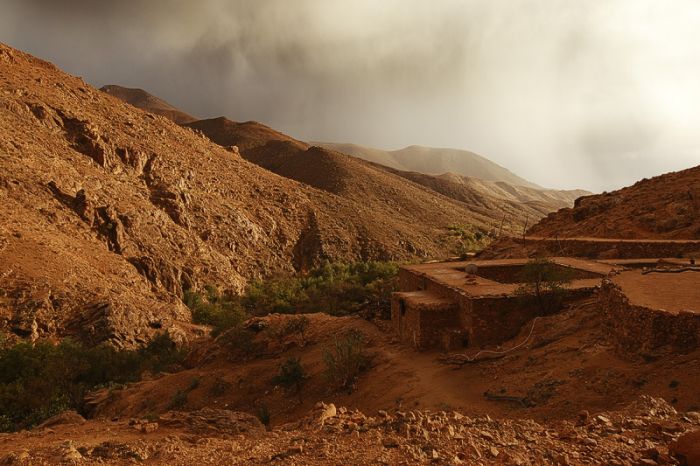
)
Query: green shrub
[
  {"x": 240, "y": 341},
  {"x": 297, "y": 325},
  {"x": 345, "y": 360},
  {"x": 178, "y": 400},
  {"x": 336, "y": 289},
  {"x": 263, "y": 414},
  {"x": 291, "y": 375},
  {"x": 220, "y": 311},
  {"x": 42, "y": 379},
  {"x": 545, "y": 282},
  {"x": 468, "y": 239}
]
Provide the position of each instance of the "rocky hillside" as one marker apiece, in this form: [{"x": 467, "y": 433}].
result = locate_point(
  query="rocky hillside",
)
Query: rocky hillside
[
  {"x": 434, "y": 161},
  {"x": 110, "y": 212},
  {"x": 663, "y": 207},
  {"x": 383, "y": 187},
  {"x": 514, "y": 204},
  {"x": 517, "y": 204},
  {"x": 142, "y": 99}
]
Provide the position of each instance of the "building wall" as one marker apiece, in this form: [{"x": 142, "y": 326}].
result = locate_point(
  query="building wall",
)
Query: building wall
[
  {"x": 421, "y": 325},
  {"x": 482, "y": 321},
  {"x": 637, "y": 330}
]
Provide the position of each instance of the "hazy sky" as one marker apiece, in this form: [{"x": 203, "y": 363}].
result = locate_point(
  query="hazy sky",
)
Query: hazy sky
[{"x": 567, "y": 93}]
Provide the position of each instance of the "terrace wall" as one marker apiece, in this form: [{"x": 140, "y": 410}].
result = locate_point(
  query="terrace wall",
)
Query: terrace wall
[
  {"x": 638, "y": 330},
  {"x": 611, "y": 249}
]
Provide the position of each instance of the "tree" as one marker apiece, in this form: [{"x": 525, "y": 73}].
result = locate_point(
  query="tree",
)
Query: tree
[{"x": 546, "y": 281}]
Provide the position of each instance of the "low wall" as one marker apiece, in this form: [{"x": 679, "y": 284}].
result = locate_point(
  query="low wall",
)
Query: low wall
[
  {"x": 640, "y": 330},
  {"x": 611, "y": 249}
]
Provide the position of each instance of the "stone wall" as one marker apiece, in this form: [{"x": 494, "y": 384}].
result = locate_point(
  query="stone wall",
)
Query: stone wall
[
  {"x": 611, "y": 249},
  {"x": 637, "y": 330},
  {"x": 421, "y": 324},
  {"x": 496, "y": 319}
]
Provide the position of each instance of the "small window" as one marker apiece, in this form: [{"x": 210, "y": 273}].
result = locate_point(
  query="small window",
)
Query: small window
[{"x": 402, "y": 307}]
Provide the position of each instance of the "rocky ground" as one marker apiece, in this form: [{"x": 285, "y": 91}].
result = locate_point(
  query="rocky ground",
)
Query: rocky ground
[{"x": 648, "y": 432}]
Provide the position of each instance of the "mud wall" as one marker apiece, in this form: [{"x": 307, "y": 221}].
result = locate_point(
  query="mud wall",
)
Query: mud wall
[
  {"x": 422, "y": 325},
  {"x": 638, "y": 330}
]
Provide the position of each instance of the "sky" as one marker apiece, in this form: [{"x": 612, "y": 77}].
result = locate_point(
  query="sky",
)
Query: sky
[{"x": 592, "y": 94}]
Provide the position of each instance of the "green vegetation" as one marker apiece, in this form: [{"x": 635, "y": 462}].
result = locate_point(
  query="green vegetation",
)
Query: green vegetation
[
  {"x": 222, "y": 311},
  {"x": 337, "y": 289},
  {"x": 546, "y": 281},
  {"x": 291, "y": 375},
  {"x": 469, "y": 239},
  {"x": 42, "y": 379},
  {"x": 297, "y": 325},
  {"x": 345, "y": 360},
  {"x": 263, "y": 414}
]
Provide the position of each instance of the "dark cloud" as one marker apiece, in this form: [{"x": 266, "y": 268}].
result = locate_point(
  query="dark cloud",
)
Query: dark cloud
[{"x": 567, "y": 93}]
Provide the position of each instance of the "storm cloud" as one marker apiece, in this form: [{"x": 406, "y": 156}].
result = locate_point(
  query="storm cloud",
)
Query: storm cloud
[{"x": 593, "y": 94}]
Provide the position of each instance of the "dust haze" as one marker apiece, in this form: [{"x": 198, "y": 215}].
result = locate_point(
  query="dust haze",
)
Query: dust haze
[{"x": 594, "y": 94}]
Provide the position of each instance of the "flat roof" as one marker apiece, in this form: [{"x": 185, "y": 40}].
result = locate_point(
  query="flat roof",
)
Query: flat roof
[
  {"x": 671, "y": 292},
  {"x": 452, "y": 274}
]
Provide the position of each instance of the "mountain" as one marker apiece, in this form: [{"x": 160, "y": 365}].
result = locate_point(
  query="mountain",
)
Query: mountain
[
  {"x": 519, "y": 205},
  {"x": 434, "y": 161},
  {"x": 510, "y": 207},
  {"x": 142, "y": 99},
  {"x": 371, "y": 187},
  {"x": 109, "y": 212},
  {"x": 663, "y": 207},
  {"x": 245, "y": 136}
]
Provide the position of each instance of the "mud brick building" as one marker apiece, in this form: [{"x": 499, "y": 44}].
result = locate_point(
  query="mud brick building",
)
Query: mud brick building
[{"x": 455, "y": 305}]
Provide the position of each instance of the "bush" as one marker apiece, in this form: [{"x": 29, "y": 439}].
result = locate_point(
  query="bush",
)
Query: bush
[
  {"x": 297, "y": 325},
  {"x": 240, "y": 341},
  {"x": 263, "y": 414},
  {"x": 346, "y": 360},
  {"x": 337, "y": 289},
  {"x": 468, "y": 239},
  {"x": 221, "y": 311},
  {"x": 40, "y": 380},
  {"x": 544, "y": 280},
  {"x": 291, "y": 375}
]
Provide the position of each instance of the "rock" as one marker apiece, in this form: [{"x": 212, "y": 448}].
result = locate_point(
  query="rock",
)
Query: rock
[
  {"x": 70, "y": 453},
  {"x": 149, "y": 427},
  {"x": 687, "y": 448},
  {"x": 390, "y": 443},
  {"x": 326, "y": 412},
  {"x": 66, "y": 417},
  {"x": 494, "y": 451}
]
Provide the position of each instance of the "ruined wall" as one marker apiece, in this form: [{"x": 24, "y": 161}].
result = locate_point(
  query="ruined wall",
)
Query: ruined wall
[{"x": 637, "y": 330}]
